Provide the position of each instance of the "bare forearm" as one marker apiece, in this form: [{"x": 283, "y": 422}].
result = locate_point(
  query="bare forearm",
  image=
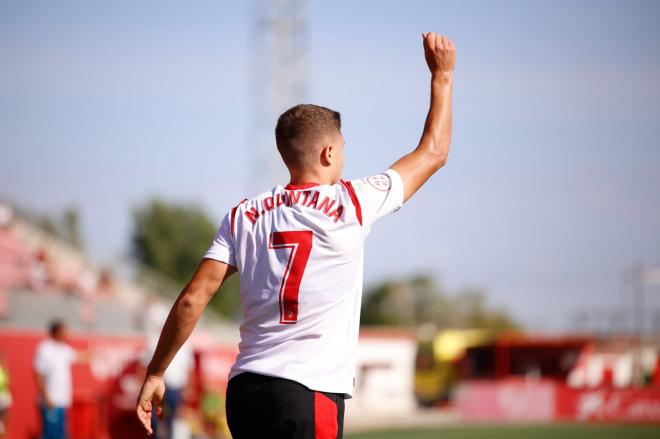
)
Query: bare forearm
[
  {"x": 430, "y": 155},
  {"x": 436, "y": 137},
  {"x": 186, "y": 312},
  {"x": 180, "y": 323}
]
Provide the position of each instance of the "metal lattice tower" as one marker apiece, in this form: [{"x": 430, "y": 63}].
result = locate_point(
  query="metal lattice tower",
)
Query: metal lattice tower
[{"x": 279, "y": 80}]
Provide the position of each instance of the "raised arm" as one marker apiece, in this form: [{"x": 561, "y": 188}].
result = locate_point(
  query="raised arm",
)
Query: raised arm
[
  {"x": 431, "y": 153},
  {"x": 179, "y": 325}
]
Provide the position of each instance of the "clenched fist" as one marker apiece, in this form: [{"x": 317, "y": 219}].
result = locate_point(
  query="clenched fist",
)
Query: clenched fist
[{"x": 439, "y": 52}]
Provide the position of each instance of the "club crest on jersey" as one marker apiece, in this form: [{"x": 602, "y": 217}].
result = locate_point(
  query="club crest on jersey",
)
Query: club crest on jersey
[
  {"x": 380, "y": 182},
  {"x": 310, "y": 199}
]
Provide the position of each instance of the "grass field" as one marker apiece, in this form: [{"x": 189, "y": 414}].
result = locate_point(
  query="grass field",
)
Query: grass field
[{"x": 562, "y": 431}]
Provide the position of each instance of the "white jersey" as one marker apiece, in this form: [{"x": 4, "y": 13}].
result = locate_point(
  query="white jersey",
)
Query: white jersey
[
  {"x": 299, "y": 253},
  {"x": 53, "y": 360}
]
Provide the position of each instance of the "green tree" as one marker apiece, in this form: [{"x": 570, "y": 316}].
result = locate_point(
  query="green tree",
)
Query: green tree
[
  {"x": 172, "y": 238},
  {"x": 47, "y": 224},
  {"x": 65, "y": 226},
  {"x": 472, "y": 306},
  {"x": 418, "y": 300},
  {"x": 71, "y": 226}
]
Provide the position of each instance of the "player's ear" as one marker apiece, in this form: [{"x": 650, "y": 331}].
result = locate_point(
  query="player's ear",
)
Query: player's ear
[{"x": 327, "y": 155}]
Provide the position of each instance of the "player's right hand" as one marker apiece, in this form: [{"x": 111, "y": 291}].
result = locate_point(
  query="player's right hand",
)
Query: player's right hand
[
  {"x": 439, "y": 52},
  {"x": 48, "y": 402},
  {"x": 151, "y": 398}
]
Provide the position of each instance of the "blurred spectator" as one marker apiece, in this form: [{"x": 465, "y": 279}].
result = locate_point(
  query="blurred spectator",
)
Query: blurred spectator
[
  {"x": 14, "y": 258},
  {"x": 5, "y": 396},
  {"x": 6, "y": 215},
  {"x": 52, "y": 365},
  {"x": 4, "y": 302},
  {"x": 105, "y": 284},
  {"x": 87, "y": 289},
  {"x": 86, "y": 282},
  {"x": 213, "y": 409},
  {"x": 40, "y": 273}
]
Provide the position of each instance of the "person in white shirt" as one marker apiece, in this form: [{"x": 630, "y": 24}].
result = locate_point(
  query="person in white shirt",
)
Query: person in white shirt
[
  {"x": 52, "y": 365},
  {"x": 298, "y": 250}
]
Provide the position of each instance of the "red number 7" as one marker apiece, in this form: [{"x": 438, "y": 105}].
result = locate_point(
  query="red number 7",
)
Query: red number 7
[{"x": 300, "y": 244}]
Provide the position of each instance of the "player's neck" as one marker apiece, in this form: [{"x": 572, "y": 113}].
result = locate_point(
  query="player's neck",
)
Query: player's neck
[{"x": 306, "y": 178}]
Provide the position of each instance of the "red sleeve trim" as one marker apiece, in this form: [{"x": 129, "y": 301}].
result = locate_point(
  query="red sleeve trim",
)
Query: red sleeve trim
[
  {"x": 233, "y": 217},
  {"x": 351, "y": 193}
]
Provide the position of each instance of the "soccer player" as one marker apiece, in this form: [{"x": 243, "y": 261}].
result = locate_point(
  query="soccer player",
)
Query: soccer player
[{"x": 298, "y": 250}]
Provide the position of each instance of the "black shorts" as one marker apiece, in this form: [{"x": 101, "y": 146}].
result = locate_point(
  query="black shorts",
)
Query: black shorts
[{"x": 263, "y": 407}]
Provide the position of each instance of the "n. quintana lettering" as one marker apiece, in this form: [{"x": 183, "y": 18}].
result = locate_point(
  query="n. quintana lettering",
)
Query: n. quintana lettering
[{"x": 310, "y": 199}]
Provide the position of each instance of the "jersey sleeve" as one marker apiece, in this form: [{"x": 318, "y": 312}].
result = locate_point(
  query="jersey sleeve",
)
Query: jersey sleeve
[
  {"x": 222, "y": 247},
  {"x": 378, "y": 195},
  {"x": 40, "y": 361}
]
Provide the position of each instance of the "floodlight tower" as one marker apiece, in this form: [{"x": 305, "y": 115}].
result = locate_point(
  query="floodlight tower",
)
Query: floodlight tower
[{"x": 279, "y": 79}]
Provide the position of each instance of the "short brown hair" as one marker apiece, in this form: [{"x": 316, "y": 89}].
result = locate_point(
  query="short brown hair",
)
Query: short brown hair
[{"x": 300, "y": 128}]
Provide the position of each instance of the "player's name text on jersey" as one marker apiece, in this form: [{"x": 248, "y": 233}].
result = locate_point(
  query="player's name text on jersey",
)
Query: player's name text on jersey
[{"x": 309, "y": 199}]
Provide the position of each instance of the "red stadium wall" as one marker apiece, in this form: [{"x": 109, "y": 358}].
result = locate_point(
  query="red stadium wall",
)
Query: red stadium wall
[
  {"x": 109, "y": 356},
  {"x": 608, "y": 405},
  {"x": 104, "y": 388},
  {"x": 516, "y": 400}
]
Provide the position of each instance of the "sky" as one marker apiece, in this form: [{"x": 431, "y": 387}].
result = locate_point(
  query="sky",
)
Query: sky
[{"x": 552, "y": 190}]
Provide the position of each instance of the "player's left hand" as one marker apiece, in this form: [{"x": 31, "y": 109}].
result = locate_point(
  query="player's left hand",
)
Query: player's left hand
[
  {"x": 439, "y": 52},
  {"x": 151, "y": 398}
]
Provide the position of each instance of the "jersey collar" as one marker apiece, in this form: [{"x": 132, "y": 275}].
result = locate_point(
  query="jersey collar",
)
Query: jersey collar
[{"x": 291, "y": 187}]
